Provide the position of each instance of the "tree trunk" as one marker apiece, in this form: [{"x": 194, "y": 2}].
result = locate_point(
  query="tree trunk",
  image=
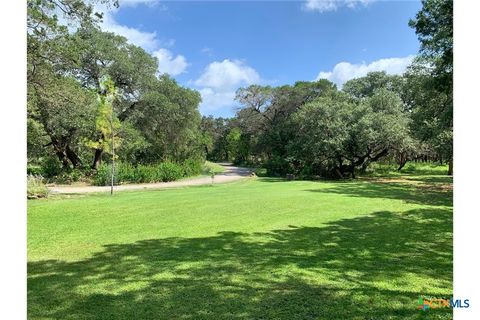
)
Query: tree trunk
[
  {"x": 63, "y": 158},
  {"x": 450, "y": 167},
  {"x": 73, "y": 157},
  {"x": 97, "y": 160}
]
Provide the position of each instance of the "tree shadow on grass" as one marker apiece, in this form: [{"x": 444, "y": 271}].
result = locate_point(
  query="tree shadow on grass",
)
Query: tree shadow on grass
[
  {"x": 371, "y": 267},
  {"x": 415, "y": 190}
]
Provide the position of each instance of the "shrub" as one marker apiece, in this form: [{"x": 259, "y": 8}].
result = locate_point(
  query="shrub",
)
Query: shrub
[
  {"x": 51, "y": 167},
  {"x": 34, "y": 170},
  {"x": 278, "y": 166},
  {"x": 192, "y": 167},
  {"x": 67, "y": 177},
  {"x": 147, "y": 173},
  {"x": 127, "y": 173},
  {"x": 103, "y": 175},
  {"x": 124, "y": 172},
  {"x": 36, "y": 188},
  {"x": 169, "y": 171}
]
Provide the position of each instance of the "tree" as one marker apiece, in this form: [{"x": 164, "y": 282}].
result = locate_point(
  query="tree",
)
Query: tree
[
  {"x": 214, "y": 132},
  {"x": 66, "y": 112},
  {"x": 434, "y": 27},
  {"x": 168, "y": 117},
  {"x": 432, "y": 75},
  {"x": 337, "y": 135},
  {"x": 107, "y": 124},
  {"x": 155, "y": 117},
  {"x": 365, "y": 86},
  {"x": 131, "y": 69},
  {"x": 266, "y": 112}
]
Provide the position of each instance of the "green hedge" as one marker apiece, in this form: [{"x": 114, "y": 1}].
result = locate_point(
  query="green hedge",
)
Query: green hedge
[{"x": 162, "y": 172}]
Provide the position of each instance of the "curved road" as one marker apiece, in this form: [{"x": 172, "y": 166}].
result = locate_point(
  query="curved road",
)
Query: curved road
[{"x": 231, "y": 173}]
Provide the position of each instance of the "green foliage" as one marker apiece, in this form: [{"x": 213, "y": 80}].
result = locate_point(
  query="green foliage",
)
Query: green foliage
[
  {"x": 35, "y": 187},
  {"x": 169, "y": 171},
  {"x": 213, "y": 137},
  {"x": 434, "y": 27},
  {"x": 128, "y": 173},
  {"x": 366, "y": 86},
  {"x": 153, "y": 117},
  {"x": 51, "y": 167},
  {"x": 106, "y": 123},
  {"x": 278, "y": 165},
  {"x": 192, "y": 167},
  {"x": 431, "y": 77},
  {"x": 169, "y": 119},
  {"x": 335, "y": 135},
  {"x": 34, "y": 170}
]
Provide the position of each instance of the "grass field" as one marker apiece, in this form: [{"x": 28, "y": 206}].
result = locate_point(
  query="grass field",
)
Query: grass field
[{"x": 256, "y": 249}]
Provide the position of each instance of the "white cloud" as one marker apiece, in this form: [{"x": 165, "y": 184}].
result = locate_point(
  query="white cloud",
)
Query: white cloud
[
  {"x": 215, "y": 100},
  {"x": 332, "y": 5},
  {"x": 144, "y": 39},
  {"x": 227, "y": 74},
  {"x": 220, "y": 80},
  {"x": 134, "y": 3},
  {"x": 344, "y": 71},
  {"x": 169, "y": 64}
]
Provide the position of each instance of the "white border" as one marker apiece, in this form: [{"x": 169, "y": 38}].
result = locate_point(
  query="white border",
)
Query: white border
[
  {"x": 13, "y": 159},
  {"x": 13, "y": 273},
  {"x": 466, "y": 152}
]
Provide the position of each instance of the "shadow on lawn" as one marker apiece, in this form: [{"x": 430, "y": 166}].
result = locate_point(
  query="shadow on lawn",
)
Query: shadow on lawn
[
  {"x": 419, "y": 190},
  {"x": 350, "y": 269}
]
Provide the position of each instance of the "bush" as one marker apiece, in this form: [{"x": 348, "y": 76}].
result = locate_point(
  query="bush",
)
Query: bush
[
  {"x": 51, "y": 167},
  {"x": 36, "y": 188},
  {"x": 34, "y": 170},
  {"x": 68, "y": 176},
  {"x": 124, "y": 172},
  {"x": 127, "y": 173},
  {"x": 192, "y": 167},
  {"x": 147, "y": 173},
  {"x": 103, "y": 175},
  {"x": 169, "y": 171},
  {"x": 278, "y": 166}
]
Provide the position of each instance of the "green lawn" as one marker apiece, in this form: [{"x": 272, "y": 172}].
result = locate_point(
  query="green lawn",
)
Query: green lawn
[{"x": 256, "y": 249}]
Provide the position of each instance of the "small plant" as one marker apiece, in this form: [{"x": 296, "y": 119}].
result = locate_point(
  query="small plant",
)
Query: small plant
[
  {"x": 36, "y": 188},
  {"x": 212, "y": 174}
]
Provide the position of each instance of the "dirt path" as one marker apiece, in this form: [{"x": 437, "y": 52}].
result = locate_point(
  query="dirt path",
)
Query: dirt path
[{"x": 231, "y": 173}]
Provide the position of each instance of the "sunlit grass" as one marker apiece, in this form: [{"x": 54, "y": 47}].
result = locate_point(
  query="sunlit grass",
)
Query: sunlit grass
[{"x": 256, "y": 249}]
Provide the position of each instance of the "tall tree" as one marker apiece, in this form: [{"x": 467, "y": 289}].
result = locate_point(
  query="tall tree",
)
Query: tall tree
[
  {"x": 433, "y": 75},
  {"x": 336, "y": 135}
]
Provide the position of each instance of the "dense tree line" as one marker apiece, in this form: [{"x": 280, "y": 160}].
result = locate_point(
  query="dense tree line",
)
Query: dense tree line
[
  {"x": 156, "y": 119},
  {"x": 308, "y": 128}
]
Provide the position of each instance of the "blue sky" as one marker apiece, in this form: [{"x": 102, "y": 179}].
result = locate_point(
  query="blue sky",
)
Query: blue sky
[{"x": 218, "y": 46}]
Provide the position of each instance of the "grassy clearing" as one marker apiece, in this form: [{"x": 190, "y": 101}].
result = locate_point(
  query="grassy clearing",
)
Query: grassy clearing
[{"x": 256, "y": 249}]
